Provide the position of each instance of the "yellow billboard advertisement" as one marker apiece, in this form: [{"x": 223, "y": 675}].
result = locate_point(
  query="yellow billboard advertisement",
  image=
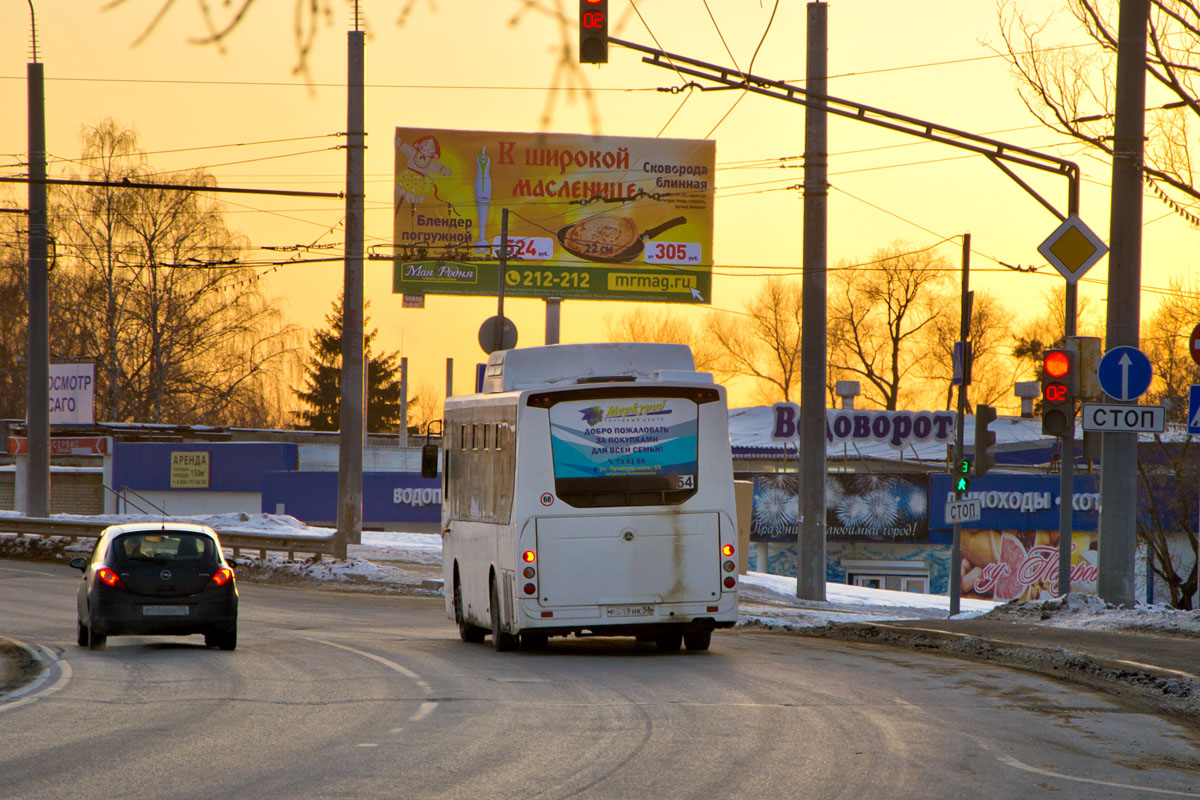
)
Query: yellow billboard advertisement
[{"x": 589, "y": 217}]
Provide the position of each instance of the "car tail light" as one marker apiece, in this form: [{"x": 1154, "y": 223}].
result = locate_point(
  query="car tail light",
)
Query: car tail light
[
  {"x": 529, "y": 556},
  {"x": 730, "y": 582},
  {"x": 109, "y": 578},
  {"x": 727, "y": 550},
  {"x": 222, "y": 576}
]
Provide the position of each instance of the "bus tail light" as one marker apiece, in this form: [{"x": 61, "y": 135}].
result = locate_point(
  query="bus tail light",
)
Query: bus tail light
[
  {"x": 730, "y": 582},
  {"x": 727, "y": 550},
  {"x": 530, "y": 589},
  {"x": 729, "y": 566},
  {"x": 529, "y": 572},
  {"x": 529, "y": 556}
]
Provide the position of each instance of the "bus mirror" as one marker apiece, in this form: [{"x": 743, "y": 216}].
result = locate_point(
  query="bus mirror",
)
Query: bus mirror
[{"x": 429, "y": 461}]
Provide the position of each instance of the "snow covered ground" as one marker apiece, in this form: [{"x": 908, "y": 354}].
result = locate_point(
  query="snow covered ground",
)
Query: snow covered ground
[{"x": 412, "y": 561}]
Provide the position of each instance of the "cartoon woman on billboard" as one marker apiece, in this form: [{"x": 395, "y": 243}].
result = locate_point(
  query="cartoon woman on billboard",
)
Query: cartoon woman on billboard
[{"x": 422, "y": 155}]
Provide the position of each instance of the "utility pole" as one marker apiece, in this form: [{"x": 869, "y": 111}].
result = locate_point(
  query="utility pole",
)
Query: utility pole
[
  {"x": 1118, "y": 451},
  {"x": 810, "y": 544},
  {"x": 351, "y": 427},
  {"x": 37, "y": 355}
]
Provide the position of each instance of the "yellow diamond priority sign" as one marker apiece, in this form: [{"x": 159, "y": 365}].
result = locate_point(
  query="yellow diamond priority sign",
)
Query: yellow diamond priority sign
[{"x": 1073, "y": 248}]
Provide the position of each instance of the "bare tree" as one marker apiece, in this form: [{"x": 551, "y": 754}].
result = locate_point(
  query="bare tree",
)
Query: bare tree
[
  {"x": 1165, "y": 340},
  {"x": 993, "y": 370},
  {"x": 1046, "y": 330},
  {"x": 881, "y": 320},
  {"x": 153, "y": 292},
  {"x": 1072, "y": 89},
  {"x": 567, "y": 74},
  {"x": 651, "y": 324},
  {"x": 1164, "y": 522},
  {"x": 762, "y": 344}
]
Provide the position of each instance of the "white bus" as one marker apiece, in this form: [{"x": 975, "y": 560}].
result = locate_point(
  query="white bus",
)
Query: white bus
[{"x": 588, "y": 490}]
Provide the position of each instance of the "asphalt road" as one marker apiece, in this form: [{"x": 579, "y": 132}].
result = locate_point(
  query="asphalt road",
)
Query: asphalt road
[{"x": 353, "y": 695}]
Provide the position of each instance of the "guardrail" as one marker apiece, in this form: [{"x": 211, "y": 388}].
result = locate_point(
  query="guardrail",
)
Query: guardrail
[{"x": 235, "y": 539}]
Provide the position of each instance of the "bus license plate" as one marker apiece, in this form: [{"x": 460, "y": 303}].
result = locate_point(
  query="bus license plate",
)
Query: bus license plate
[
  {"x": 629, "y": 611},
  {"x": 165, "y": 611}
]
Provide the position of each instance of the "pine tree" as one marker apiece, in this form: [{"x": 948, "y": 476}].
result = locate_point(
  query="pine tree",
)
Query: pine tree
[{"x": 323, "y": 381}]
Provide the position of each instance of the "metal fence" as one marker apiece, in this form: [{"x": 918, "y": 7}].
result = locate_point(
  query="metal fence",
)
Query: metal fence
[{"x": 233, "y": 539}]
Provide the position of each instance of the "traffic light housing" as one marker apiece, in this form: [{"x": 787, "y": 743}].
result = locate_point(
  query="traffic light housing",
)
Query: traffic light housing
[
  {"x": 984, "y": 439},
  {"x": 1060, "y": 386},
  {"x": 593, "y": 31}
]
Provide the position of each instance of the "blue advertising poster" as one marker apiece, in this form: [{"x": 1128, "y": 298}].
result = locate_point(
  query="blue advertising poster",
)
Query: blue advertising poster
[
  {"x": 624, "y": 437},
  {"x": 860, "y": 507},
  {"x": 1018, "y": 502}
]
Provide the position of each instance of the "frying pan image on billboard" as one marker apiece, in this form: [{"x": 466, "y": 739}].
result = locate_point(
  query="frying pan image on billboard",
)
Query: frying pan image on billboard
[{"x": 609, "y": 238}]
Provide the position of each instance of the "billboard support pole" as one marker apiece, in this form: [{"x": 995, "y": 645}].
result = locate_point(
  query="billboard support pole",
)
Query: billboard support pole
[{"x": 502, "y": 278}]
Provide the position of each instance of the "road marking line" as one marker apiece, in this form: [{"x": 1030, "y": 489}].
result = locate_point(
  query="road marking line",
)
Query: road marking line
[
  {"x": 424, "y": 711},
  {"x": 392, "y": 665},
  {"x": 1012, "y": 762},
  {"x": 366, "y": 744},
  {"x": 37, "y": 689}
]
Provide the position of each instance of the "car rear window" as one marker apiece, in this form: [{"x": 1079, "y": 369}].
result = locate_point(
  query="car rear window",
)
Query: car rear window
[{"x": 165, "y": 547}]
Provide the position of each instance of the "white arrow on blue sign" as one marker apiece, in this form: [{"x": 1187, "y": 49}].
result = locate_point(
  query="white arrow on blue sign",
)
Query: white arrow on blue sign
[
  {"x": 1125, "y": 373},
  {"x": 1194, "y": 409}
]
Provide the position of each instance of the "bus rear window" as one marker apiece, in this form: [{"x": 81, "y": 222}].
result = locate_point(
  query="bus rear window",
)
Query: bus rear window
[{"x": 624, "y": 451}]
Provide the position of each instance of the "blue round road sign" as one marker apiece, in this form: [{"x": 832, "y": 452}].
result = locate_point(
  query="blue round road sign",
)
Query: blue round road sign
[{"x": 1125, "y": 373}]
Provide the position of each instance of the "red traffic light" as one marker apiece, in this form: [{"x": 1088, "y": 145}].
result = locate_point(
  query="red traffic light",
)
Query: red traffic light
[{"x": 1056, "y": 363}]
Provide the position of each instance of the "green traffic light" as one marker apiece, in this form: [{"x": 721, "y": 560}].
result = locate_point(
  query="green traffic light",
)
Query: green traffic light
[
  {"x": 964, "y": 467},
  {"x": 962, "y": 484}
]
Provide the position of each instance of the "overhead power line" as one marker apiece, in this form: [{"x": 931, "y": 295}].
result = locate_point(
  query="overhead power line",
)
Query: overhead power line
[{"x": 174, "y": 187}]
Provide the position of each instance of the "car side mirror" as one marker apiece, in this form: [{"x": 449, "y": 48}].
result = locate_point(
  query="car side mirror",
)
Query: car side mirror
[
  {"x": 429, "y": 461},
  {"x": 78, "y": 563}
]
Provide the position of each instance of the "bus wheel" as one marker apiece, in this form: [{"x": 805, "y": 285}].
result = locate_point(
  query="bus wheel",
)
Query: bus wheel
[
  {"x": 501, "y": 641},
  {"x": 697, "y": 640},
  {"x": 466, "y": 631},
  {"x": 669, "y": 642}
]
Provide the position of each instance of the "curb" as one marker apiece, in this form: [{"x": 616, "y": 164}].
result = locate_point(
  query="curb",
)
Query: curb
[{"x": 1158, "y": 690}]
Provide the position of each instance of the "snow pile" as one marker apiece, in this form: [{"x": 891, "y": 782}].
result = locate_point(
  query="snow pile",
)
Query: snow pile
[{"x": 1088, "y": 612}]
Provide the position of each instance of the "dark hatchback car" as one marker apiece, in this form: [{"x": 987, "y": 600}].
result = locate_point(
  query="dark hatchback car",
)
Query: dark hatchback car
[{"x": 147, "y": 579}]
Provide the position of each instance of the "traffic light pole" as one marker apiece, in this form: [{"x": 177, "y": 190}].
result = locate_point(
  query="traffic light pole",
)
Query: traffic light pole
[{"x": 963, "y": 333}]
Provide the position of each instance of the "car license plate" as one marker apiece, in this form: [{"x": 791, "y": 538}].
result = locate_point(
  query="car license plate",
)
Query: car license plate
[
  {"x": 165, "y": 611},
  {"x": 629, "y": 611}
]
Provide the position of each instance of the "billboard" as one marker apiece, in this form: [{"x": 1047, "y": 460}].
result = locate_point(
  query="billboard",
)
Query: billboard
[
  {"x": 590, "y": 217},
  {"x": 72, "y": 388},
  {"x": 859, "y": 507}
]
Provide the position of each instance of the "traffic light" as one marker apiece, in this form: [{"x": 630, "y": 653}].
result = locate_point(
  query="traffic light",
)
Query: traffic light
[
  {"x": 984, "y": 439},
  {"x": 593, "y": 31},
  {"x": 1060, "y": 384},
  {"x": 963, "y": 481}
]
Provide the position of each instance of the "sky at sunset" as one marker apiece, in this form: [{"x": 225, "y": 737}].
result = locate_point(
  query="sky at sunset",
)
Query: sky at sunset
[{"x": 242, "y": 112}]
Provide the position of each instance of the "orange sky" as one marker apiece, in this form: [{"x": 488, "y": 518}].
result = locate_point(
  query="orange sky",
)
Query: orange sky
[{"x": 468, "y": 64}]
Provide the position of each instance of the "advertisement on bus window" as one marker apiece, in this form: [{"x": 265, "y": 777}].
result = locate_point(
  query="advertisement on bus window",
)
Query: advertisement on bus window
[{"x": 625, "y": 437}]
